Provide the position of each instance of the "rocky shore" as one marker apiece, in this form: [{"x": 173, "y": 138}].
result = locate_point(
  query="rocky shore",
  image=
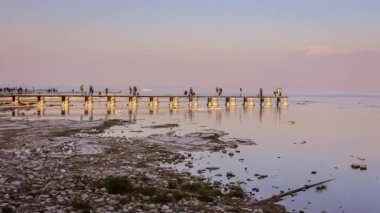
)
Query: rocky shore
[{"x": 71, "y": 166}]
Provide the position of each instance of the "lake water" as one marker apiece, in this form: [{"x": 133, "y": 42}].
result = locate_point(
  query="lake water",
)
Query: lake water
[{"x": 321, "y": 134}]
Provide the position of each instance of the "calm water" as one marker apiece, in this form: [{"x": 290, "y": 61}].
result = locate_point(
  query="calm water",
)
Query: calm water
[{"x": 336, "y": 131}]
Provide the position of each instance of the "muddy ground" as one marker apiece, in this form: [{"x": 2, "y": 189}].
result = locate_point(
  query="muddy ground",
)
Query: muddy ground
[{"x": 64, "y": 165}]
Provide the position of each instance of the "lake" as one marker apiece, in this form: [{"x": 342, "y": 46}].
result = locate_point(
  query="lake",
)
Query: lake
[{"x": 321, "y": 135}]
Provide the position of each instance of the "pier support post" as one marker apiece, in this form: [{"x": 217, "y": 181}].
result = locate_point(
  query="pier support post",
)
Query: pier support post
[
  {"x": 193, "y": 102},
  {"x": 40, "y": 101},
  {"x": 132, "y": 101},
  {"x": 285, "y": 101},
  {"x": 88, "y": 101},
  {"x": 153, "y": 102},
  {"x": 248, "y": 101},
  {"x": 16, "y": 100},
  {"x": 65, "y": 101},
  {"x": 111, "y": 101},
  {"x": 230, "y": 101},
  {"x": 212, "y": 102},
  {"x": 65, "y": 105},
  {"x": 173, "y": 102},
  {"x": 268, "y": 101}
]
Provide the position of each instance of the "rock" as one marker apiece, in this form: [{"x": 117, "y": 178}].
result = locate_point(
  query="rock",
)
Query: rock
[
  {"x": 313, "y": 172},
  {"x": 258, "y": 211},
  {"x": 165, "y": 207},
  {"x": 355, "y": 166},
  {"x": 363, "y": 167},
  {"x": 60, "y": 199},
  {"x": 212, "y": 168},
  {"x": 84, "y": 196},
  {"x": 230, "y": 175},
  {"x": 112, "y": 202},
  {"x": 99, "y": 200}
]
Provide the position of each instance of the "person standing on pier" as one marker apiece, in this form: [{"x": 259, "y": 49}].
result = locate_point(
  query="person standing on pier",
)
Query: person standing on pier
[
  {"x": 130, "y": 90},
  {"x": 261, "y": 96},
  {"x": 241, "y": 91},
  {"x": 191, "y": 92},
  {"x": 81, "y": 88},
  {"x": 91, "y": 90},
  {"x": 106, "y": 91}
]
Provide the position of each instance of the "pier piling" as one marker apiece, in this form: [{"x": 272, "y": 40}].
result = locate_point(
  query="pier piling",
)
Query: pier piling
[
  {"x": 16, "y": 100},
  {"x": 268, "y": 101},
  {"x": 230, "y": 101},
  {"x": 173, "y": 102},
  {"x": 40, "y": 101},
  {"x": 212, "y": 102}
]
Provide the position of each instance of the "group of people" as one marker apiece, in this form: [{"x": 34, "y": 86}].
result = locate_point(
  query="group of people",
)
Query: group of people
[
  {"x": 219, "y": 90},
  {"x": 133, "y": 91},
  {"x": 191, "y": 92},
  {"x": 277, "y": 92},
  {"x": 20, "y": 90},
  {"x": 90, "y": 90}
]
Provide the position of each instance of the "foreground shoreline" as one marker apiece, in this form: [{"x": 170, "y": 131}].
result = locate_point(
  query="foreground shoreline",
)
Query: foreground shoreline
[{"x": 62, "y": 165}]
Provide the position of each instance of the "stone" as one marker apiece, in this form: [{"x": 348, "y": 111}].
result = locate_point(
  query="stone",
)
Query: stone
[
  {"x": 165, "y": 207},
  {"x": 230, "y": 174},
  {"x": 363, "y": 167}
]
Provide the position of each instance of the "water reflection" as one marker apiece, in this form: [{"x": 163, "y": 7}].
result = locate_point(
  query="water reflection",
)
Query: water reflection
[
  {"x": 65, "y": 110},
  {"x": 111, "y": 109},
  {"x": 91, "y": 111},
  {"x": 40, "y": 111},
  {"x": 132, "y": 112},
  {"x": 15, "y": 112},
  {"x": 153, "y": 109}
]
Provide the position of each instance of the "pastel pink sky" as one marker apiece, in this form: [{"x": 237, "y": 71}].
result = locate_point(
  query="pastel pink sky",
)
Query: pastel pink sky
[{"x": 325, "y": 46}]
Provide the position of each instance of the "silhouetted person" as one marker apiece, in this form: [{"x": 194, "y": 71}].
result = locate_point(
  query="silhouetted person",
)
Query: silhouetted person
[
  {"x": 241, "y": 91},
  {"x": 106, "y": 91},
  {"x": 91, "y": 90},
  {"x": 261, "y": 96},
  {"x": 191, "y": 92}
]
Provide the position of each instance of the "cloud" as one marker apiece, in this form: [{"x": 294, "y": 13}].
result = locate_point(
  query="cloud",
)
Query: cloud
[{"x": 320, "y": 51}]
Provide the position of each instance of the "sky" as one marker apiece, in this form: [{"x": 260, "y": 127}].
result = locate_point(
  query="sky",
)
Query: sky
[{"x": 317, "y": 45}]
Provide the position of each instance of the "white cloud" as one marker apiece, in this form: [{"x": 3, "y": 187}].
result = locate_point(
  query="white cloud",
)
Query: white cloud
[{"x": 320, "y": 50}]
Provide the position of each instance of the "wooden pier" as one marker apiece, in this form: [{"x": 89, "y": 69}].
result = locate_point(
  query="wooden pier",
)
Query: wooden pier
[{"x": 43, "y": 100}]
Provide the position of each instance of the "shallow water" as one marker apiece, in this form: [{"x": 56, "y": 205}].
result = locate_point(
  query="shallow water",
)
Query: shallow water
[{"x": 329, "y": 134}]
